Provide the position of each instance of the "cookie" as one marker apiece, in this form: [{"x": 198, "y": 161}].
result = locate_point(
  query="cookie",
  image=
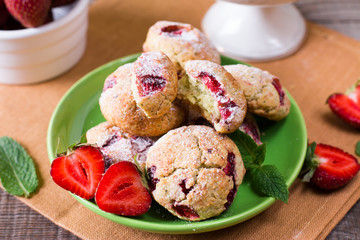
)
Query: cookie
[
  {"x": 263, "y": 91},
  {"x": 180, "y": 42},
  {"x": 251, "y": 128},
  {"x": 154, "y": 83},
  {"x": 119, "y": 108},
  {"x": 117, "y": 146},
  {"x": 194, "y": 172},
  {"x": 210, "y": 89}
]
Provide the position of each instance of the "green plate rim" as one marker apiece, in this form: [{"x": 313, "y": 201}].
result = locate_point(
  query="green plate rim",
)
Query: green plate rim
[{"x": 187, "y": 227}]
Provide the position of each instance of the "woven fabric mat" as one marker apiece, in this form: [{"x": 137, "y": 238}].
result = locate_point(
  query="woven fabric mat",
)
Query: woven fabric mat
[{"x": 328, "y": 62}]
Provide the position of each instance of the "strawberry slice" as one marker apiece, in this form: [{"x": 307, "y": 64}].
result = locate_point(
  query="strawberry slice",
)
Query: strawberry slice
[
  {"x": 79, "y": 171},
  {"x": 30, "y": 13},
  {"x": 347, "y": 106},
  {"x": 329, "y": 167},
  {"x": 122, "y": 192}
]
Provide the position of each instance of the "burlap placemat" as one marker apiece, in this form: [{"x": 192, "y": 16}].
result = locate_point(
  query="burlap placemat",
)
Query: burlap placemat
[{"x": 328, "y": 62}]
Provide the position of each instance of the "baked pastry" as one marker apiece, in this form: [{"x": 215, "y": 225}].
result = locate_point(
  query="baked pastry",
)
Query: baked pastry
[
  {"x": 154, "y": 83},
  {"x": 119, "y": 108},
  {"x": 117, "y": 146},
  {"x": 251, "y": 128},
  {"x": 194, "y": 172},
  {"x": 180, "y": 42},
  {"x": 263, "y": 91},
  {"x": 209, "y": 88}
]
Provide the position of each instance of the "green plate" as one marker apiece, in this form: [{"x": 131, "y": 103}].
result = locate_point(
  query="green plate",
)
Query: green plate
[{"x": 79, "y": 110}]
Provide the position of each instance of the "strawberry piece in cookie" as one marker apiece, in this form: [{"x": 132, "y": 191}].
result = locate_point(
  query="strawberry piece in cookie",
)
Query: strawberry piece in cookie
[
  {"x": 347, "y": 106},
  {"x": 119, "y": 108},
  {"x": 154, "y": 83},
  {"x": 117, "y": 146},
  {"x": 180, "y": 42},
  {"x": 210, "y": 89},
  {"x": 329, "y": 167},
  {"x": 194, "y": 172},
  {"x": 263, "y": 92}
]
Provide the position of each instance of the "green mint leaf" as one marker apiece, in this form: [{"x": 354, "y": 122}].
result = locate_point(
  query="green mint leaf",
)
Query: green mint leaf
[
  {"x": 357, "y": 149},
  {"x": 17, "y": 170},
  {"x": 252, "y": 154},
  {"x": 268, "y": 180}
]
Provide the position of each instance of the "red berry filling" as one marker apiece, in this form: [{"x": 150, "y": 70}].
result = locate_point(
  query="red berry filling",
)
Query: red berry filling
[
  {"x": 185, "y": 211},
  {"x": 226, "y": 105},
  {"x": 251, "y": 129},
  {"x": 172, "y": 30},
  {"x": 230, "y": 171},
  {"x": 109, "y": 83},
  {"x": 152, "y": 180},
  {"x": 277, "y": 85},
  {"x": 148, "y": 85},
  {"x": 183, "y": 187}
]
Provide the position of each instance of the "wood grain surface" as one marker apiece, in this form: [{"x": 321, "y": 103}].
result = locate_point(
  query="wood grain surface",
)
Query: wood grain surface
[{"x": 17, "y": 221}]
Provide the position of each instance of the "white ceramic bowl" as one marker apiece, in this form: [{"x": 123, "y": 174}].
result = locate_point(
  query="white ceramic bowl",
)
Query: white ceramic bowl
[{"x": 39, "y": 54}]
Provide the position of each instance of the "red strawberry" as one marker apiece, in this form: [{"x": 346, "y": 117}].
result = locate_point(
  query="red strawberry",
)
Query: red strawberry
[
  {"x": 122, "y": 192},
  {"x": 4, "y": 14},
  {"x": 329, "y": 167},
  {"x": 30, "y": 13},
  {"x": 58, "y": 3},
  {"x": 347, "y": 106},
  {"x": 79, "y": 171}
]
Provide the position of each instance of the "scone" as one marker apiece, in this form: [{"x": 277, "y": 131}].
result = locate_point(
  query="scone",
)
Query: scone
[
  {"x": 180, "y": 42},
  {"x": 251, "y": 128},
  {"x": 119, "y": 108},
  {"x": 154, "y": 83},
  {"x": 263, "y": 91},
  {"x": 117, "y": 146},
  {"x": 194, "y": 172},
  {"x": 210, "y": 89}
]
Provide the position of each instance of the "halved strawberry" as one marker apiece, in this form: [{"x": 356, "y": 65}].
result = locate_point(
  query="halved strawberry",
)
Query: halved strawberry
[
  {"x": 329, "y": 167},
  {"x": 347, "y": 106},
  {"x": 30, "y": 13},
  {"x": 79, "y": 171},
  {"x": 122, "y": 192}
]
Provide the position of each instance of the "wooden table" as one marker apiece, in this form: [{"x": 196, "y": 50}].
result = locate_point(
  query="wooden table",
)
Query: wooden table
[{"x": 17, "y": 221}]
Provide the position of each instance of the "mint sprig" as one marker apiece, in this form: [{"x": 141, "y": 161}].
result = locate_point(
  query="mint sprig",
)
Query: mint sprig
[
  {"x": 265, "y": 178},
  {"x": 357, "y": 148},
  {"x": 17, "y": 170}
]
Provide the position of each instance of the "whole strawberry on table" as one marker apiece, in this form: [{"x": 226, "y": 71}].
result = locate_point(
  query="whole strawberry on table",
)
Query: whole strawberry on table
[{"x": 19, "y": 14}]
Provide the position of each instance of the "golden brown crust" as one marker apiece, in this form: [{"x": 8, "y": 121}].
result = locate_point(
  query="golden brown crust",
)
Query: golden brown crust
[
  {"x": 181, "y": 42},
  {"x": 154, "y": 83},
  {"x": 191, "y": 167},
  {"x": 215, "y": 93},
  {"x": 119, "y": 108},
  {"x": 117, "y": 146},
  {"x": 260, "y": 91}
]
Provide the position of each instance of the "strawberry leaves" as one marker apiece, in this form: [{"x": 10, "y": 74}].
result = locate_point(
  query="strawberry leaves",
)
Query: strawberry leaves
[
  {"x": 265, "y": 178},
  {"x": 17, "y": 170}
]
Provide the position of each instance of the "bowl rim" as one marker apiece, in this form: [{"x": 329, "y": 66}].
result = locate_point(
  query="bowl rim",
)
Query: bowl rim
[{"x": 52, "y": 26}]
